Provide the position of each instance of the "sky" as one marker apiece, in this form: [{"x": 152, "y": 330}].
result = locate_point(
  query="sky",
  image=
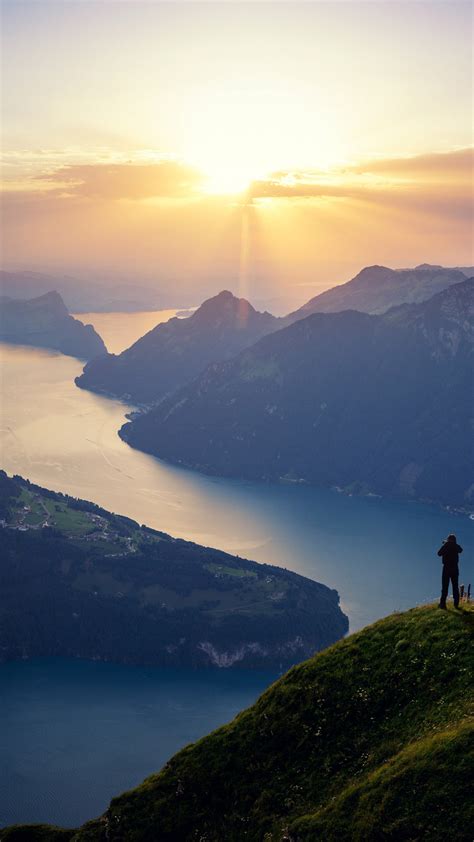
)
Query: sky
[{"x": 270, "y": 148}]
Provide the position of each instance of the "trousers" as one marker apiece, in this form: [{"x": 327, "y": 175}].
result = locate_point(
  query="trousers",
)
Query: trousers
[{"x": 450, "y": 574}]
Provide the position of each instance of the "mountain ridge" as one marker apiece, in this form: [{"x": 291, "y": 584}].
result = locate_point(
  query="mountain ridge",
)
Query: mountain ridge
[
  {"x": 322, "y": 401},
  {"x": 174, "y": 352},
  {"x": 375, "y": 289}
]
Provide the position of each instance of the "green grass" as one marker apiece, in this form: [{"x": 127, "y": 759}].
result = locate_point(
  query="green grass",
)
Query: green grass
[
  {"x": 34, "y": 518},
  {"x": 25, "y": 497},
  {"x": 406, "y": 797},
  {"x": 369, "y": 741},
  {"x": 230, "y": 571},
  {"x": 70, "y": 521}
]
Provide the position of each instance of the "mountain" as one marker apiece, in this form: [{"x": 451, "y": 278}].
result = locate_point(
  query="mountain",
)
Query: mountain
[
  {"x": 78, "y": 581},
  {"x": 468, "y": 271},
  {"x": 379, "y": 404},
  {"x": 46, "y": 323},
  {"x": 175, "y": 352},
  {"x": 82, "y": 296},
  {"x": 371, "y": 740},
  {"x": 377, "y": 288}
]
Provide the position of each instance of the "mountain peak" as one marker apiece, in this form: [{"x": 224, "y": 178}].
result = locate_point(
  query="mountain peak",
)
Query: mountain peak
[
  {"x": 52, "y": 300},
  {"x": 45, "y": 322},
  {"x": 373, "y": 274},
  {"x": 176, "y": 351},
  {"x": 375, "y": 289},
  {"x": 224, "y": 308},
  {"x": 427, "y": 266}
]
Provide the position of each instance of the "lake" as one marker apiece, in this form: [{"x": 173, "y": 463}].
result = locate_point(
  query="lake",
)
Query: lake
[
  {"x": 120, "y": 330},
  {"x": 379, "y": 554},
  {"x": 76, "y": 733}
]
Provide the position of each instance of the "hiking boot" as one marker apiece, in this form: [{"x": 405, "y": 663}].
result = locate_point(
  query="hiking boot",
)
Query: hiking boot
[{"x": 442, "y": 606}]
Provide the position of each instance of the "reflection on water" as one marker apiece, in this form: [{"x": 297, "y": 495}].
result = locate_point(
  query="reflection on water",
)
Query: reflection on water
[{"x": 380, "y": 555}]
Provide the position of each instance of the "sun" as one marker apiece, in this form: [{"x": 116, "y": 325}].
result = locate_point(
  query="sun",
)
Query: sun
[
  {"x": 233, "y": 139},
  {"x": 227, "y": 179}
]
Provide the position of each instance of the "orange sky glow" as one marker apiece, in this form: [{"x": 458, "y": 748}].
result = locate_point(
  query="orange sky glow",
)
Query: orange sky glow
[{"x": 270, "y": 148}]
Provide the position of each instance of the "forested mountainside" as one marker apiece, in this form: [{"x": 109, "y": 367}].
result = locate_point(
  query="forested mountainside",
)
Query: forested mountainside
[
  {"x": 78, "y": 581},
  {"x": 46, "y": 323},
  {"x": 174, "y": 352},
  {"x": 370, "y": 404},
  {"x": 371, "y": 740}
]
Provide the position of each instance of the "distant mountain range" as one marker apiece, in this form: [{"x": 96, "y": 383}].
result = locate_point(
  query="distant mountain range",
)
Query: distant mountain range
[
  {"x": 372, "y": 404},
  {"x": 377, "y": 288},
  {"x": 369, "y": 741},
  {"x": 83, "y": 296},
  {"x": 175, "y": 352},
  {"x": 78, "y": 581},
  {"x": 46, "y": 323}
]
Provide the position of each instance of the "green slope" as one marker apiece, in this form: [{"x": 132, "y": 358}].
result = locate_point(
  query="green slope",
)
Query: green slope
[{"x": 370, "y": 740}]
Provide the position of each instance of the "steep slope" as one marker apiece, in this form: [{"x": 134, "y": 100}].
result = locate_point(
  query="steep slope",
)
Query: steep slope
[
  {"x": 78, "y": 581},
  {"x": 175, "y": 352},
  {"x": 371, "y": 740},
  {"x": 377, "y": 288},
  {"x": 46, "y": 323},
  {"x": 368, "y": 403}
]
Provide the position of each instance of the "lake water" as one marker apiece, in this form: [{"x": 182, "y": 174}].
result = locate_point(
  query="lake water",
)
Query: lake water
[
  {"x": 75, "y": 733},
  {"x": 379, "y": 554},
  {"x": 120, "y": 330}
]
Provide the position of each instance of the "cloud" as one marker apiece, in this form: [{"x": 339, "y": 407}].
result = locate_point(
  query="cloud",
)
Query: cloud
[
  {"x": 435, "y": 183},
  {"x": 439, "y": 165},
  {"x": 166, "y": 178}
]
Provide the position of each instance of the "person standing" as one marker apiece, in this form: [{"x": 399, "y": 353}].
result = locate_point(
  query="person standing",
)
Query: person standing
[{"x": 449, "y": 552}]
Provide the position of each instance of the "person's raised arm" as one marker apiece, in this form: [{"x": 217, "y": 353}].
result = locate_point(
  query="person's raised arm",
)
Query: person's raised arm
[
  {"x": 459, "y": 549},
  {"x": 440, "y": 551}
]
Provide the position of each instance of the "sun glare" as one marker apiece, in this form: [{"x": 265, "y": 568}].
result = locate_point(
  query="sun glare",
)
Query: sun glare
[
  {"x": 239, "y": 136},
  {"x": 228, "y": 179}
]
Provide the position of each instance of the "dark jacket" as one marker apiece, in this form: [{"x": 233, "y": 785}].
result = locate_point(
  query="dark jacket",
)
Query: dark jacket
[{"x": 449, "y": 552}]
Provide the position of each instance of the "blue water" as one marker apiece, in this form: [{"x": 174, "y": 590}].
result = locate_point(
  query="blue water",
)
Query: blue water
[
  {"x": 75, "y": 733},
  {"x": 379, "y": 554}
]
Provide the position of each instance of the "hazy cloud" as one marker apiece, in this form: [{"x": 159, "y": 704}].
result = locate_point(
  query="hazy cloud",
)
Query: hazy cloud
[
  {"x": 439, "y": 165},
  {"x": 167, "y": 178},
  {"x": 438, "y": 183}
]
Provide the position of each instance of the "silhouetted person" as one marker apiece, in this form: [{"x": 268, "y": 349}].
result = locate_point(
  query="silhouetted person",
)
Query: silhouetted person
[{"x": 449, "y": 552}]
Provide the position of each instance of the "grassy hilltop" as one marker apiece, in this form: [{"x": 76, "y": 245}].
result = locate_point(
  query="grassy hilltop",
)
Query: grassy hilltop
[{"x": 369, "y": 740}]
